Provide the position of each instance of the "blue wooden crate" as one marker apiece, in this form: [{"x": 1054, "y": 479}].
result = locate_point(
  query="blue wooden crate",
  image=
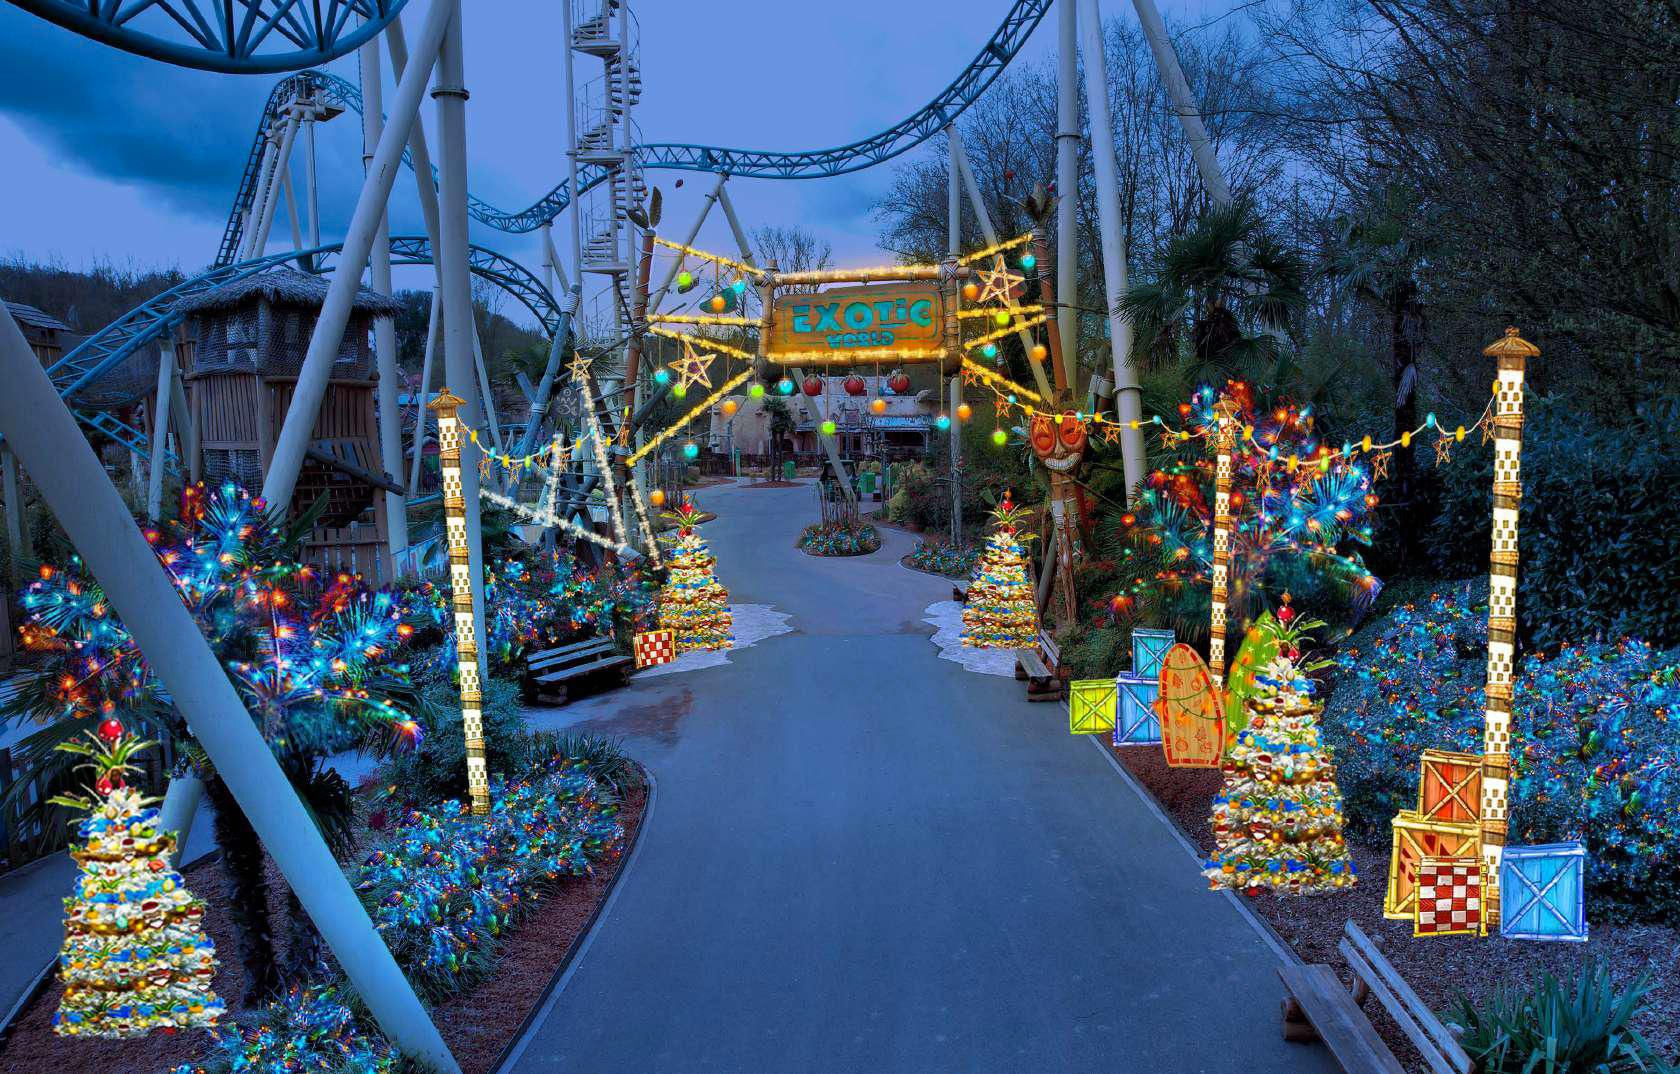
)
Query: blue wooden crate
[
  {"x": 1135, "y": 722},
  {"x": 1542, "y": 892},
  {"x": 1149, "y": 648}
]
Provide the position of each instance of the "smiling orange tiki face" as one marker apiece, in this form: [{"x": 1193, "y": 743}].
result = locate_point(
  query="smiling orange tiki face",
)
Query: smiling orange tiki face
[{"x": 1059, "y": 443}]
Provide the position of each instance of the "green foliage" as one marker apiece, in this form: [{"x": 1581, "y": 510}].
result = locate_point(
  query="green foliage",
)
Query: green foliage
[
  {"x": 839, "y": 539},
  {"x": 1553, "y": 1028},
  {"x": 436, "y": 768},
  {"x": 1259, "y": 647},
  {"x": 1600, "y": 551},
  {"x": 602, "y": 757}
]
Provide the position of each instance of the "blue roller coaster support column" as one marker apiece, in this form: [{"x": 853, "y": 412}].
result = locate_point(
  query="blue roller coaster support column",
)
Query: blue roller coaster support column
[
  {"x": 324, "y": 344},
  {"x": 1128, "y": 398},
  {"x": 76, "y": 487}
]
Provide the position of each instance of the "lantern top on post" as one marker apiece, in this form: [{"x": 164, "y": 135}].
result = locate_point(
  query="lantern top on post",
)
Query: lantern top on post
[
  {"x": 1511, "y": 345},
  {"x": 446, "y": 402}
]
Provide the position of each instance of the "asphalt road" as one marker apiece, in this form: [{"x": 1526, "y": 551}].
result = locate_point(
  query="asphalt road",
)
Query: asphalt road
[{"x": 864, "y": 858}]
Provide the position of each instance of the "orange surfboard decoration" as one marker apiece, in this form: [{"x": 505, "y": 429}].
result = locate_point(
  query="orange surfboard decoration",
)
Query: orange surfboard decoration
[{"x": 1191, "y": 709}]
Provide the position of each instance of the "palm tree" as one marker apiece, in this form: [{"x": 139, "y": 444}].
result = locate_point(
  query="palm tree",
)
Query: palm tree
[{"x": 1233, "y": 285}]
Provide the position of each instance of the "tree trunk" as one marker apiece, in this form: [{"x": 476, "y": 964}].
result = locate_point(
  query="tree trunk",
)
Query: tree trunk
[
  {"x": 246, "y": 883},
  {"x": 1406, "y": 340}
]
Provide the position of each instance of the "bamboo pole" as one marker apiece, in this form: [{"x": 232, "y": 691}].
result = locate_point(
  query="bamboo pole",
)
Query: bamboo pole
[
  {"x": 1225, "y": 446},
  {"x": 1511, "y": 354}
]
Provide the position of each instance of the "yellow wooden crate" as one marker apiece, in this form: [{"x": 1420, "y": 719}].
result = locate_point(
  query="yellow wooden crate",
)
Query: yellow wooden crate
[
  {"x": 1415, "y": 838},
  {"x": 1091, "y": 706}
]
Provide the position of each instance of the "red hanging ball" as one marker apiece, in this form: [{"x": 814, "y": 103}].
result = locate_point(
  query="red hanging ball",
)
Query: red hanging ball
[
  {"x": 813, "y": 385},
  {"x": 854, "y": 385},
  {"x": 899, "y": 383},
  {"x": 110, "y": 729}
]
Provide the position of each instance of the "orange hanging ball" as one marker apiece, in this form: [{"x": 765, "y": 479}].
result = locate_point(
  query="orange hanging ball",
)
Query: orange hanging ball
[
  {"x": 730, "y": 406},
  {"x": 718, "y": 304},
  {"x": 1040, "y": 352},
  {"x": 971, "y": 291},
  {"x": 964, "y": 412},
  {"x": 657, "y": 497},
  {"x": 878, "y": 406}
]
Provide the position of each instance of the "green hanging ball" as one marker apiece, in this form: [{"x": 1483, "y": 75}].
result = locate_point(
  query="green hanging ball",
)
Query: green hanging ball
[
  {"x": 828, "y": 428},
  {"x": 756, "y": 391},
  {"x": 685, "y": 280},
  {"x": 679, "y": 390},
  {"x": 999, "y": 437}
]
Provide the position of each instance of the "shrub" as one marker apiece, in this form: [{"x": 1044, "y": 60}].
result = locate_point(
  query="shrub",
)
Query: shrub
[
  {"x": 435, "y": 767},
  {"x": 1594, "y": 753},
  {"x": 1548, "y": 1029},
  {"x": 942, "y": 557},
  {"x": 444, "y": 886},
  {"x": 1595, "y": 525},
  {"x": 313, "y": 1030},
  {"x": 840, "y": 539},
  {"x": 603, "y": 758}
]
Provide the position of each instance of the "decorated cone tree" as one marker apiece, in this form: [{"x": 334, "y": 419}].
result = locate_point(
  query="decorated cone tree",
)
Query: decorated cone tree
[
  {"x": 693, "y": 603},
  {"x": 1001, "y": 612},
  {"x": 1277, "y": 821},
  {"x": 135, "y": 956}
]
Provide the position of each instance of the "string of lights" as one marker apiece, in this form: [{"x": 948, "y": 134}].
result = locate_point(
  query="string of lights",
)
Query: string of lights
[
  {"x": 705, "y": 404},
  {"x": 550, "y": 518},
  {"x": 992, "y": 251}
]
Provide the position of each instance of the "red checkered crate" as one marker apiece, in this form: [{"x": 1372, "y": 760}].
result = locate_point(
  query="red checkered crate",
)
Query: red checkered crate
[
  {"x": 653, "y": 647},
  {"x": 1449, "y": 897}
]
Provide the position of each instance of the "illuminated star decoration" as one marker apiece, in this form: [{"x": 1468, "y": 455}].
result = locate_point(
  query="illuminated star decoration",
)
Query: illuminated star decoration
[
  {"x": 579, "y": 367},
  {"x": 1443, "y": 450},
  {"x": 1109, "y": 432},
  {"x": 1000, "y": 284},
  {"x": 1379, "y": 465},
  {"x": 693, "y": 368}
]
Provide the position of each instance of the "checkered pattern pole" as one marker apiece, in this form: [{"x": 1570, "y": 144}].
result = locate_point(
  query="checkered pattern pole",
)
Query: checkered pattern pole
[
  {"x": 1511, "y": 353},
  {"x": 447, "y": 407},
  {"x": 1225, "y": 445}
]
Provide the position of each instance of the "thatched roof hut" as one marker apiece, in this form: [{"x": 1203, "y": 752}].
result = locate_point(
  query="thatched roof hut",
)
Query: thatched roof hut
[{"x": 263, "y": 323}]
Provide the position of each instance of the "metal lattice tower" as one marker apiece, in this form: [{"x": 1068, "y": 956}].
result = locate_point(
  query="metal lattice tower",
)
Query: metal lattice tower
[{"x": 605, "y": 31}]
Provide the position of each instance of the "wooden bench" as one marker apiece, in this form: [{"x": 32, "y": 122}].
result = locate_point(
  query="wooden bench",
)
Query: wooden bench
[
  {"x": 1317, "y": 1007},
  {"x": 551, "y": 672},
  {"x": 1041, "y": 669}
]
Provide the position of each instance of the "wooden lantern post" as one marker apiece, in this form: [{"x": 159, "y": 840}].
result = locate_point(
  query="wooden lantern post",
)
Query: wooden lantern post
[
  {"x": 1225, "y": 417},
  {"x": 1511, "y": 353},
  {"x": 448, "y": 407}
]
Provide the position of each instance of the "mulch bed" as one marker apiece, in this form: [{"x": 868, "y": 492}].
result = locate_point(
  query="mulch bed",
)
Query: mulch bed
[
  {"x": 1437, "y": 968},
  {"x": 477, "y": 1025}
]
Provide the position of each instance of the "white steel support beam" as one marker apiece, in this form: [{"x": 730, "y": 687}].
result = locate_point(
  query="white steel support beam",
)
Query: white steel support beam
[
  {"x": 434, "y": 325},
  {"x": 450, "y": 93},
  {"x": 425, "y": 189},
  {"x": 36, "y": 423},
  {"x": 264, "y": 190},
  {"x": 1183, "y": 102},
  {"x": 1128, "y": 397},
  {"x": 379, "y": 275},
  {"x": 688, "y": 240},
  {"x": 328, "y": 336},
  {"x": 17, "y": 534},
  {"x": 160, "y": 426},
  {"x": 282, "y": 168},
  {"x": 312, "y": 189},
  {"x": 959, "y": 158},
  {"x": 186, "y": 428}
]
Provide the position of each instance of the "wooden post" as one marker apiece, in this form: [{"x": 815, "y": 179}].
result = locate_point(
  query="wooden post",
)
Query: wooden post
[
  {"x": 448, "y": 407},
  {"x": 1224, "y": 444},
  {"x": 1511, "y": 353}
]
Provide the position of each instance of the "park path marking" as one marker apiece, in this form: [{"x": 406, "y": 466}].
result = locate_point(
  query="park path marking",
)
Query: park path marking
[
  {"x": 750, "y": 624},
  {"x": 946, "y": 617}
]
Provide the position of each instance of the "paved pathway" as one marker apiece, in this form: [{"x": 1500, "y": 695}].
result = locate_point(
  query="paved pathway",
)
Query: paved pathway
[{"x": 865, "y": 859}]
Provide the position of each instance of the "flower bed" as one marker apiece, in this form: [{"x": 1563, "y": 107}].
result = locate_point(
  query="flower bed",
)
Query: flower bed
[
  {"x": 839, "y": 539},
  {"x": 941, "y": 557}
]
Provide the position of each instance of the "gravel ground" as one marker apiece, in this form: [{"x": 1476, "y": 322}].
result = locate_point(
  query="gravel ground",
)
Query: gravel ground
[{"x": 1437, "y": 968}]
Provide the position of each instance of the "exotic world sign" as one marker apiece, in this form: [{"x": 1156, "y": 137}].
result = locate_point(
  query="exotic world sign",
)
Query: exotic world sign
[{"x": 859, "y": 319}]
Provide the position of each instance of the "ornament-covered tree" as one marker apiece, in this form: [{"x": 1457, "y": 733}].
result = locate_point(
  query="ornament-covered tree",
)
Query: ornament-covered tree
[
  {"x": 135, "y": 956},
  {"x": 1001, "y": 612},
  {"x": 693, "y": 603},
  {"x": 1277, "y": 821}
]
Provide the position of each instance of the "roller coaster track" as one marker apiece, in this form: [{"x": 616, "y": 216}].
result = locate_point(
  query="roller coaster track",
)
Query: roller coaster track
[
  {"x": 905, "y": 135},
  {"x": 106, "y": 349},
  {"x": 241, "y": 37}
]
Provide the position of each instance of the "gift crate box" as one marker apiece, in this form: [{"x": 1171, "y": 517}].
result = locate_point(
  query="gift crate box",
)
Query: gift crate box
[
  {"x": 1449, "y": 897},
  {"x": 1090, "y": 706},
  {"x": 1149, "y": 648},
  {"x": 1451, "y": 786},
  {"x": 652, "y": 647},
  {"x": 1542, "y": 892},
  {"x": 1416, "y": 838},
  {"x": 1137, "y": 724}
]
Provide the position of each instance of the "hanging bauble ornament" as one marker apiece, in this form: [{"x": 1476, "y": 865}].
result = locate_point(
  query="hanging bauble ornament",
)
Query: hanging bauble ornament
[
  {"x": 813, "y": 385},
  {"x": 899, "y": 382},
  {"x": 964, "y": 412},
  {"x": 1028, "y": 261},
  {"x": 110, "y": 729},
  {"x": 970, "y": 292},
  {"x": 785, "y": 385},
  {"x": 1001, "y": 317},
  {"x": 1039, "y": 352},
  {"x": 756, "y": 391},
  {"x": 657, "y": 497},
  {"x": 877, "y": 406},
  {"x": 679, "y": 390},
  {"x": 691, "y": 450},
  {"x": 943, "y": 422},
  {"x": 662, "y": 376},
  {"x": 989, "y": 350},
  {"x": 718, "y": 303},
  {"x": 828, "y": 427},
  {"x": 730, "y": 406},
  {"x": 854, "y": 385},
  {"x": 685, "y": 281},
  {"x": 999, "y": 437},
  {"x": 739, "y": 286}
]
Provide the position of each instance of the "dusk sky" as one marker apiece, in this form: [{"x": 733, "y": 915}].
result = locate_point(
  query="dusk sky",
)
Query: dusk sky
[{"x": 112, "y": 157}]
